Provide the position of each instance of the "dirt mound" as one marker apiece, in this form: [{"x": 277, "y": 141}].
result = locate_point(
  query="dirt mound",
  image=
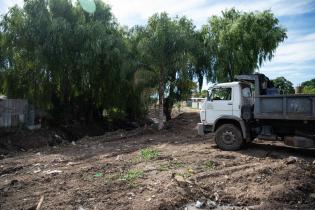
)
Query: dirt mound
[{"x": 23, "y": 140}]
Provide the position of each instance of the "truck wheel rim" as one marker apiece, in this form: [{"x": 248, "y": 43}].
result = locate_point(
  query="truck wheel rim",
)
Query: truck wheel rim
[{"x": 228, "y": 137}]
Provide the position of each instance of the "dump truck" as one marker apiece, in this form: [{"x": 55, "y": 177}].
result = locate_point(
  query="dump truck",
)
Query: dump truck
[{"x": 251, "y": 107}]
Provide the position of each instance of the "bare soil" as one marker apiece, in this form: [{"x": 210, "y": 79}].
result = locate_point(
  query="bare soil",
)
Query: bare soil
[{"x": 109, "y": 172}]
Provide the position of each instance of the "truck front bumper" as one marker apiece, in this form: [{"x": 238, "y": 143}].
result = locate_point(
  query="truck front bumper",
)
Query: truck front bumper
[{"x": 200, "y": 128}]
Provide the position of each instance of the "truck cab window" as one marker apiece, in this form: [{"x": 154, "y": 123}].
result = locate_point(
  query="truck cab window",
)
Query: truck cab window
[{"x": 221, "y": 94}]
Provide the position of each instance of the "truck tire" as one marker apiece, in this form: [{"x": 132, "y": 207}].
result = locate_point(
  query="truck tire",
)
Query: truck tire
[{"x": 229, "y": 137}]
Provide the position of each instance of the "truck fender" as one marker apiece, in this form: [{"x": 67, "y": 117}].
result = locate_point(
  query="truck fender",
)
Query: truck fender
[{"x": 231, "y": 118}]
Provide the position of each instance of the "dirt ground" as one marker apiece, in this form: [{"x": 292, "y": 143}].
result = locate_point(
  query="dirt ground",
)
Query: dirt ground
[{"x": 149, "y": 169}]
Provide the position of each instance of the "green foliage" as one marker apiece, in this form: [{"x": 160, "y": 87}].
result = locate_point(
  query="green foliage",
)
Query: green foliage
[
  {"x": 308, "y": 90},
  {"x": 209, "y": 165},
  {"x": 78, "y": 66},
  {"x": 148, "y": 153},
  {"x": 201, "y": 94},
  {"x": 98, "y": 174},
  {"x": 310, "y": 83},
  {"x": 68, "y": 62},
  {"x": 163, "y": 48},
  {"x": 308, "y": 87},
  {"x": 285, "y": 86},
  {"x": 131, "y": 176},
  {"x": 164, "y": 167},
  {"x": 241, "y": 42},
  {"x": 170, "y": 165}
]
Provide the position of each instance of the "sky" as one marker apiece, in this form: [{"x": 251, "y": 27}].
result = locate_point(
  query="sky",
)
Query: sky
[{"x": 294, "y": 58}]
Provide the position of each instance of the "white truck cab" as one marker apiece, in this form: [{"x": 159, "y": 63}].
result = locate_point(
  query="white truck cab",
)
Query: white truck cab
[
  {"x": 223, "y": 105},
  {"x": 225, "y": 99}
]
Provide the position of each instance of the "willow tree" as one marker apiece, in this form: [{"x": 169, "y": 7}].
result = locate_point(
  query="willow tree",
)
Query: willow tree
[
  {"x": 65, "y": 60},
  {"x": 202, "y": 57},
  {"x": 243, "y": 41}
]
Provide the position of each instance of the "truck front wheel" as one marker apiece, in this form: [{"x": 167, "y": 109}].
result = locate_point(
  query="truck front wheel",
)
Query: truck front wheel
[{"x": 229, "y": 137}]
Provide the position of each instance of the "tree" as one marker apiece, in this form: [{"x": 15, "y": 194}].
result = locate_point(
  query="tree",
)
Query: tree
[
  {"x": 308, "y": 87},
  {"x": 163, "y": 48},
  {"x": 309, "y": 83},
  {"x": 77, "y": 65},
  {"x": 66, "y": 61},
  {"x": 285, "y": 86},
  {"x": 202, "y": 57},
  {"x": 308, "y": 90},
  {"x": 202, "y": 94},
  {"x": 241, "y": 42}
]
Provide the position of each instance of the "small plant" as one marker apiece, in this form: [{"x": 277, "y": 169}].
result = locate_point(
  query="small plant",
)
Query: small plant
[
  {"x": 190, "y": 170},
  {"x": 178, "y": 106},
  {"x": 209, "y": 164},
  {"x": 177, "y": 164},
  {"x": 148, "y": 153},
  {"x": 185, "y": 174},
  {"x": 98, "y": 174},
  {"x": 131, "y": 176},
  {"x": 170, "y": 165},
  {"x": 188, "y": 173},
  {"x": 136, "y": 160},
  {"x": 164, "y": 167}
]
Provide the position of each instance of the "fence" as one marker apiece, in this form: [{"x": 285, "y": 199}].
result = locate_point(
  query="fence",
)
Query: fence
[{"x": 15, "y": 112}]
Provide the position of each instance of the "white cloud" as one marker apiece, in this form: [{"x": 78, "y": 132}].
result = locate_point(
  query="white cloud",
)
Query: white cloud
[
  {"x": 131, "y": 12},
  {"x": 126, "y": 10},
  {"x": 6, "y": 4},
  {"x": 294, "y": 60},
  {"x": 297, "y": 52},
  {"x": 200, "y": 10}
]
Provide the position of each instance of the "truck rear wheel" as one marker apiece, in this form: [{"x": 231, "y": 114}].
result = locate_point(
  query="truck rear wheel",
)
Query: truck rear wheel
[{"x": 229, "y": 137}]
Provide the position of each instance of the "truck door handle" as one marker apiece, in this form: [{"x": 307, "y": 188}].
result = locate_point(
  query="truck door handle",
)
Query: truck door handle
[{"x": 230, "y": 103}]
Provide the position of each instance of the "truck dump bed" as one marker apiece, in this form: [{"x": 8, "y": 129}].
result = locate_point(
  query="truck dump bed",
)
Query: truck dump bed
[
  {"x": 279, "y": 107},
  {"x": 285, "y": 107}
]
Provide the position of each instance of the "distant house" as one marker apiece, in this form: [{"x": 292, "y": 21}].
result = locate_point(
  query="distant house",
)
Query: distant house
[{"x": 195, "y": 103}]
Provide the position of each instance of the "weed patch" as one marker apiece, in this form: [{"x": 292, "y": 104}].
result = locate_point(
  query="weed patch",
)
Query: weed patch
[
  {"x": 209, "y": 165},
  {"x": 170, "y": 165},
  {"x": 149, "y": 154},
  {"x": 131, "y": 176}
]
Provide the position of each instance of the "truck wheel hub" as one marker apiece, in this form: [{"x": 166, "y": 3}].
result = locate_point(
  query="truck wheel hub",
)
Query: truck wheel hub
[{"x": 228, "y": 137}]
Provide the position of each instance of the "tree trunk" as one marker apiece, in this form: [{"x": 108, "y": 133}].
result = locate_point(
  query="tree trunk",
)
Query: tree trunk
[
  {"x": 161, "y": 100},
  {"x": 161, "y": 107},
  {"x": 168, "y": 108},
  {"x": 200, "y": 81},
  {"x": 169, "y": 101}
]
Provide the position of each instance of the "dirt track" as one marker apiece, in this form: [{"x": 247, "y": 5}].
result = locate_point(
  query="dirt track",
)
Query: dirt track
[{"x": 108, "y": 172}]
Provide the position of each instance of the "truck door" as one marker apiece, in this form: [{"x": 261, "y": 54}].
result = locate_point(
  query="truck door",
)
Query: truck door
[{"x": 220, "y": 104}]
